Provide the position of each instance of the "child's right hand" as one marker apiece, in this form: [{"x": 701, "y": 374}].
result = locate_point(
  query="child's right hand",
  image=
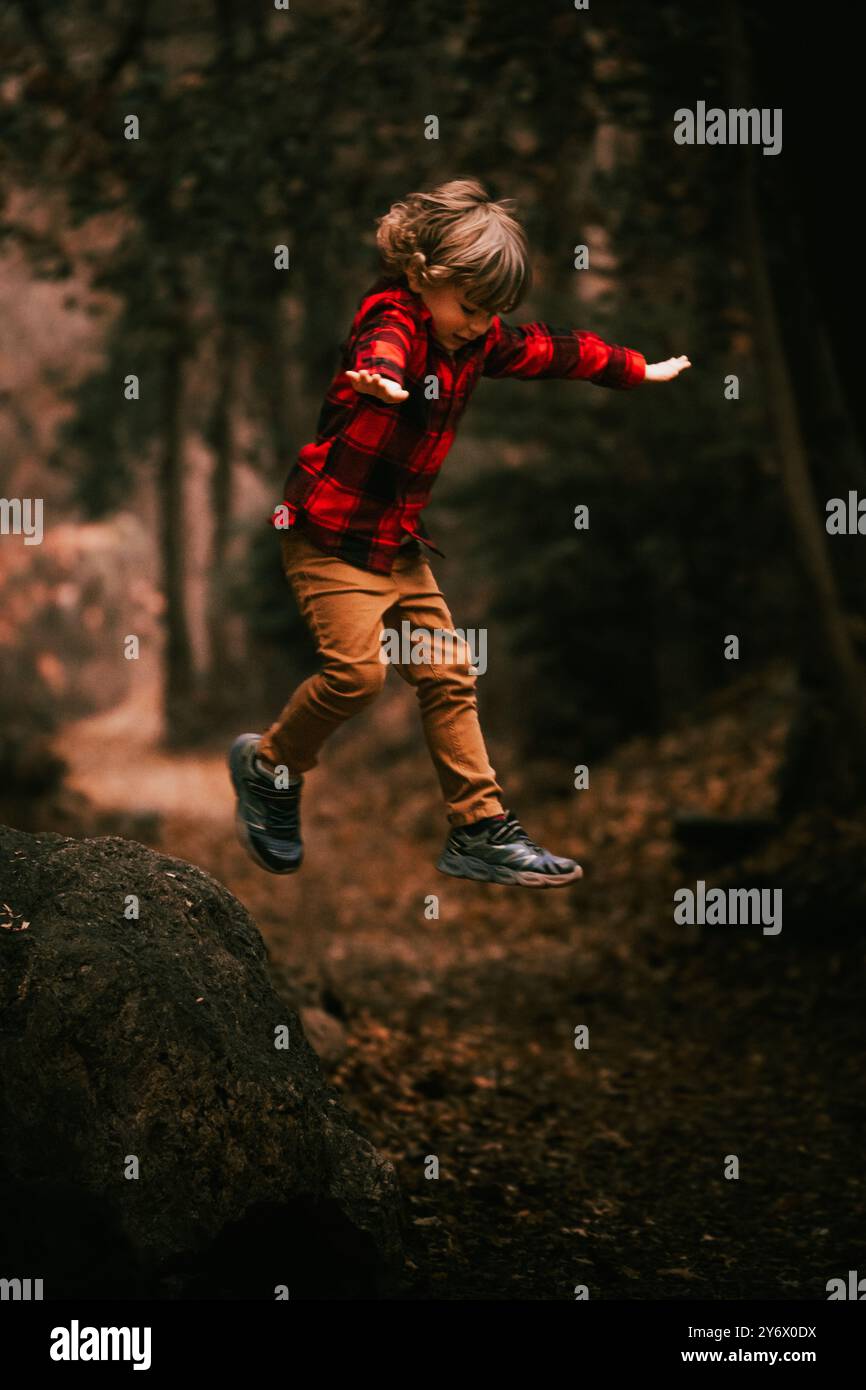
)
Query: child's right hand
[{"x": 372, "y": 384}]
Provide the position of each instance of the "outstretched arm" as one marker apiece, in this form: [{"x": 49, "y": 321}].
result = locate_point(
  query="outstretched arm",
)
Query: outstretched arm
[{"x": 540, "y": 350}]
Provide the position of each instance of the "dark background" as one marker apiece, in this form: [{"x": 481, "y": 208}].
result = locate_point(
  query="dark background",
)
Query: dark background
[{"x": 606, "y": 646}]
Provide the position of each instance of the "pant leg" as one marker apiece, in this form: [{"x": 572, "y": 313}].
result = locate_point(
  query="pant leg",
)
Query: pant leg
[
  {"x": 446, "y": 691},
  {"x": 342, "y": 606}
]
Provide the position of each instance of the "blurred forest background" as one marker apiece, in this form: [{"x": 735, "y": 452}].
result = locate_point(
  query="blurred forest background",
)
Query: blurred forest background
[
  {"x": 259, "y": 127},
  {"x": 155, "y": 257}
]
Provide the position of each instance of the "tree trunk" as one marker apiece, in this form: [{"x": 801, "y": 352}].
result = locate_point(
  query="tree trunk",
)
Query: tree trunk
[
  {"x": 276, "y": 389},
  {"x": 222, "y": 435},
  {"x": 178, "y": 673}
]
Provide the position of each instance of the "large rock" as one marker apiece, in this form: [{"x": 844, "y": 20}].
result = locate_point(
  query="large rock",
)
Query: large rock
[{"x": 153, "y": 1040}]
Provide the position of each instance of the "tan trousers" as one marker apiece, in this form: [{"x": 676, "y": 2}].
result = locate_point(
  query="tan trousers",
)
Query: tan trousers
[{"x": 346, "y": 609}]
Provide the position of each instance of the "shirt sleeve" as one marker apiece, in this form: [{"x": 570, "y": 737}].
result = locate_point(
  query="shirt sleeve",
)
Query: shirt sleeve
[
  {"x": 383, "y": 342},
  {"x": 539, "y": 350}
]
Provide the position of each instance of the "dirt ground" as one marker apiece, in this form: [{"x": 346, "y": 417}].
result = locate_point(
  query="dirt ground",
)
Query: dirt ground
[{"x": 602, "y": 1166}]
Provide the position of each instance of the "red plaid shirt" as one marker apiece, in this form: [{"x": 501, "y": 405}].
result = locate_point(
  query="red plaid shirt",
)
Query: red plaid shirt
[{"x": 359, "y": 488}]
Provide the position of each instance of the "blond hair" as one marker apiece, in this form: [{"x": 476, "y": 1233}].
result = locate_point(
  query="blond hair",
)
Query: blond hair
[{"x": 456, "y": 234}]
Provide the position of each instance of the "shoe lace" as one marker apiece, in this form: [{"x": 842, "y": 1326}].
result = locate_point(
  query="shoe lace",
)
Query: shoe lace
[
  {"x": 511, "y": 830},
  {"x": 278, "y": 806}
]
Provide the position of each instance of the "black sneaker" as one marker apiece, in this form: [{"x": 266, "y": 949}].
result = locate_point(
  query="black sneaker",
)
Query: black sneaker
[
  {"x": 268, "y": 819},
  {"x": 504, "y": 853}
]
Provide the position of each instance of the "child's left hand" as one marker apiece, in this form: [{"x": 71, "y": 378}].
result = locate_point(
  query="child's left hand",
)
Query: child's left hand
[{"x": 666, "y": 371}]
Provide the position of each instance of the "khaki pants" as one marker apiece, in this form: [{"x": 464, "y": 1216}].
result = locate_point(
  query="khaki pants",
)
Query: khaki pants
[{"x": 345, "y": 609}]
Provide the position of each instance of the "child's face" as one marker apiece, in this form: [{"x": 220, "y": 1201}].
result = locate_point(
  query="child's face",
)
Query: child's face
[{"x": 456, "y": 319}]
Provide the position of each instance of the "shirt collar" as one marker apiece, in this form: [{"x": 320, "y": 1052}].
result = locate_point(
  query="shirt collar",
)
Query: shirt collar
[{"x": 425, "y": 313}]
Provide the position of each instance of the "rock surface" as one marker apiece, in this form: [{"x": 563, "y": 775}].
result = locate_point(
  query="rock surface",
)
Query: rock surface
[{"x": 148, "y": 1044}]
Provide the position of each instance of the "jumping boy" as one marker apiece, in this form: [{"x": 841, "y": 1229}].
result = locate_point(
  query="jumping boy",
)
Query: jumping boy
[{"x": 352, "y": 531}]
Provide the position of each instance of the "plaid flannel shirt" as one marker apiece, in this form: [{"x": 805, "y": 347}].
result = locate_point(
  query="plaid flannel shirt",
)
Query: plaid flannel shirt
[{"x": 358, "y": 489}]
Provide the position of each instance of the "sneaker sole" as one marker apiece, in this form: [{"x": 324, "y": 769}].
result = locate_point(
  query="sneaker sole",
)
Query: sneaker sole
[
  {"x": 241, "y": 827},
  {"x": 465, "y": 866}
]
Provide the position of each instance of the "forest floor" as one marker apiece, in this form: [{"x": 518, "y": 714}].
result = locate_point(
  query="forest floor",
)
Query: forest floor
[{"x": 603, "y": 1166}]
